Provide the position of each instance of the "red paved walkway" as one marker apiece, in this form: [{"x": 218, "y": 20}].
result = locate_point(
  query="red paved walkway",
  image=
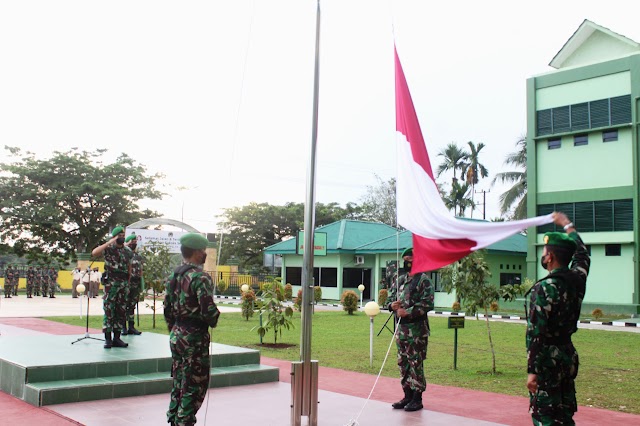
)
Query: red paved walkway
[{"x": 505, "y": 409}]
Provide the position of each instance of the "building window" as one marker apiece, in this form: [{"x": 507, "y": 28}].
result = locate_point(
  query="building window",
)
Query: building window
[
  {"x": 610, "y": 136},
  {"x": 579, "y": 140},
  {"x": 554, "y": 143},
  {"x": 501, "y": 266},
  {"x": 592, "y": 216},
  {"x": 520, "y": 267},
  {"x": 293, "y": 276},
  {"x": 612, "y": 250},
  {"x": 507, "y": 267},
  {"x": 506, "y": 279}
]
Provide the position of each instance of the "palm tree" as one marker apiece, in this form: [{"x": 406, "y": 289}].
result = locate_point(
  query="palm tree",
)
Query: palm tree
[
  {"x": 458, "y": 198},
  {"x": 517, "y": 194},
  {"x": 454, "y": 159},
  {"x": 473, "y": 169}
]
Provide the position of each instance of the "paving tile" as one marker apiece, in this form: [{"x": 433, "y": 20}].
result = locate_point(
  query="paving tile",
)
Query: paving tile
[
  {"x": 143, "y": 366},
  {"x": 80, "y": 371},
  {"x": 44, "y": 374},
  {"x": 94, "y": 393},
  {"x": 121, "y": 390},
  {"x": 59, "y": 396}
]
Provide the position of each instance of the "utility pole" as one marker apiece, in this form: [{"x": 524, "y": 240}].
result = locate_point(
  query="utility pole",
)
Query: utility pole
[{"x": 484, "y": 203}]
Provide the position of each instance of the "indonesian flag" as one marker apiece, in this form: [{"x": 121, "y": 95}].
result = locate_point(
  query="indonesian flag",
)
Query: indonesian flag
[{"x": 439, "y": 239}]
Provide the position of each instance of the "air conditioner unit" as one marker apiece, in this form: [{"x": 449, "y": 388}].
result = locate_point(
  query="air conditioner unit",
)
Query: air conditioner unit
[{"x": 359, "y": 260}]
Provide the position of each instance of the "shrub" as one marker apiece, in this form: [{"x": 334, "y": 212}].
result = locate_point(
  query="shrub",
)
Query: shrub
[
  {"x": 456, "y": 306},
  {"x": 349, "y": 301},
  {"x": 288, "y": 291},
  {"x": 597, "y": 313},
  {"x": 248, "y": 300},
  {"x": 278, "y": 315},
  {"x": 298, "y": 301},
  {"x": 494, "y": 306},
  {"x": 317, "y": 294},
  {"x": 222, "y": 286},
  {"x": 383, "y": 295}
]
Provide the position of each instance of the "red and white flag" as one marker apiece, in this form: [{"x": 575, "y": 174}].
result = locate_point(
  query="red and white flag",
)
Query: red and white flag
[{"x": 439, "y": 239}]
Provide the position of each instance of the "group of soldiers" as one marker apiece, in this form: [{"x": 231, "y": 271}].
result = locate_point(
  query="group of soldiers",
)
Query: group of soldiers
[{"x": 40, "y": 280}]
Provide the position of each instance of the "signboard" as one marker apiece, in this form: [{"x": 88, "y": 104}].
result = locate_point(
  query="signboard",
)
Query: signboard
[
  {"x": 456, "y": 322},
  {"x": 147, "y": 236},
  {"x": 319, "y": 243}
]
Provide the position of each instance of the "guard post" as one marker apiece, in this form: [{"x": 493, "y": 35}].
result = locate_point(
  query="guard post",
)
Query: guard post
[{"x": 455, "y": 323}]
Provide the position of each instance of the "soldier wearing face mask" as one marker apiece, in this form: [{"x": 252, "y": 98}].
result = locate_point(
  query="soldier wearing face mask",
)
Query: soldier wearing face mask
[
  {"x": 411, "y": 298},
  {"x": 552, "y": 317},
  {"x": 117, "y": 265},
  {"x": 134, "y": 286}
]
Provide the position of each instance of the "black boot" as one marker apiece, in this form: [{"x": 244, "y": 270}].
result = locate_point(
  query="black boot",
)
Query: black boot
[
  {"x": 117, "y": 342},
  {"x": 416, "y": 402},
  {"x": 124, "y": 331},
  {"x": 107, "y": 340},
  {"x": 408, "y": 394},
  {"x": 132, "y": 329}
]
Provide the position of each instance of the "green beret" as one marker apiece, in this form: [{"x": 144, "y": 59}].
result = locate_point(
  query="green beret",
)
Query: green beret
[
  {"x": 194, "y": 241},
  {"x": 130, "y": 237},
  {"x": 117, "y": 230},
  {"x": 559, "y": 239},
  {"x": 407, "y": 252}
]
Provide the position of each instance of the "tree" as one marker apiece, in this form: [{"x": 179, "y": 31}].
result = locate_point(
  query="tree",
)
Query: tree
[
  {"x": 517, "y": 194},
  {"x": 454, "y": 159},
  {"x": 249, "y": 229},
  {"x": 278, "y": 315},
  {"x": 156, "y": 271},
  {"x": 66, "y": 204},
  {"x": 379, "y": 202},
  {"x": 468, "y": 277},
  {"x": 473, "y": 169},
  {"x": 457, "y": 198}
]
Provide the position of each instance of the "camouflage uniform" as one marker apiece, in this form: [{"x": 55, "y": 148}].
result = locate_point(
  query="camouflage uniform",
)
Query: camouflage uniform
[
  {"x": 116, "y": 265},
  {"x": 553, "y": 314},
  {"x": 15, "y": 282},
  {"x": 44, "y": 281},
  {"x": 31, "y": 277},
  {"x": 189, "y": 310},
  {"x": 8, "y": 281},
  {"x": 134, "y": 286},
  {"x": 52, "y": 277},
  {"x": 416, "y": 293}
]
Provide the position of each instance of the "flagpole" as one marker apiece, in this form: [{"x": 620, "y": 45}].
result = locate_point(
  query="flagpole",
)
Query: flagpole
[{"x": 304, "y": 384}]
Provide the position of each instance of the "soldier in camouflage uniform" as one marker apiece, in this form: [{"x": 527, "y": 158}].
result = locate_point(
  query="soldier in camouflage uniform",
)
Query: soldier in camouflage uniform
[
  {"x": 44, "y": 280},
  {"x": 15, "y": 282},
  {"x": 31, "y": 277},
  {"x": 52, "y": 277},
  {"x": 117, "y": 265},
  {"x": 411, "y": 297},
  {"x": 8, "y": 281},
  {"x": 552, "y": 317},
  {"x": 189, "y": 311},
  {"x": 134, "y": 286}
]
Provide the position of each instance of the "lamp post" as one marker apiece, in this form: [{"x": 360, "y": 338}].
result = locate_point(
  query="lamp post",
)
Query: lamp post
[
  {"x": 371, "y": 309},
  {"x": 361, "y": 288},
  {"x": 244, "y": 288}
]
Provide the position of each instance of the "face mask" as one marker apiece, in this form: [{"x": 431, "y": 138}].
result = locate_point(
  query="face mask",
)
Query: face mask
[
  {"x": 133, "y": 246},
  {"x": 204, "y": 258},
  {"x": 120, "y": 241},
  {"x": 543, "y": 262},
  {"x": 407, "y": 266}
]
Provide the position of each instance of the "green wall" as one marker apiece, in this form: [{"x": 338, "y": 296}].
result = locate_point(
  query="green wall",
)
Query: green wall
[{"x": 592, "y": 89}]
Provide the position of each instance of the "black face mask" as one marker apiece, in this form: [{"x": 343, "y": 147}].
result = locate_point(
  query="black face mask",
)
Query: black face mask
[
  {"x": 120, "y": 241},
  {"x": 204, "y": 258},
  {"x": 133, "y": 246},
  {"x": 407, "y": 266},
  {"x": 543, "y": 262}
]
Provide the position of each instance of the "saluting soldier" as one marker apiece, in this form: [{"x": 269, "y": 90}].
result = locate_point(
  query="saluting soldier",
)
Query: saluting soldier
[
  {"x": 117, "y": 265},
  {"x": 411, "y": 298},
  {"x": 31, "y": 277},
  {"x": 189, "y": 311},
  {"x": 552, "y": 317},
  {"x": 134, "y": 285}
]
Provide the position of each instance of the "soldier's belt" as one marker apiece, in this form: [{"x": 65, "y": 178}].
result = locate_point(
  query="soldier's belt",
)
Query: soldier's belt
[
  {"x": 561, "y": 340},
  {"x": 136, "y": 280},
  {"x": 414, "y": 320},
  {"x": 191, "y": 322},
  {"x": 118, "y": 276}
]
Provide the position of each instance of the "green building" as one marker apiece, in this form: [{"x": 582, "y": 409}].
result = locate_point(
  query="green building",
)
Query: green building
[
  {"x": 583, "y": 159},
  {"x": 358, "y": 252}
]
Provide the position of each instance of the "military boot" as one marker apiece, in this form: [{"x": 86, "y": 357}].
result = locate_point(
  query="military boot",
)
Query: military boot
[
  {"x": 416, "y": 402},
  {"x": 117, "y": 342},
  {"x": 124, "y": 331},
  {"x": 408, "y": 394},
  {"x": 107, "y": 340},
  {"x": 132, "y": 329}
]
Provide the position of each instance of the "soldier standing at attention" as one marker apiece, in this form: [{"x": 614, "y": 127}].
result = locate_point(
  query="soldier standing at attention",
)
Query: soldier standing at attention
[
  {"x": 53, "y": 282},
  {"x": 44, "y": 280},
  {"x": 117, "y": 265},
  {"x": 16, "y": 281},
  {"x": 189, "y": 311},
  {"x": 134, "y": 285},
  {"x": 411, "y": 298},
  {"x": 552, "y": 317},
  {"x": 31, "y": 277},
  {"x": 8, "y": 280}
]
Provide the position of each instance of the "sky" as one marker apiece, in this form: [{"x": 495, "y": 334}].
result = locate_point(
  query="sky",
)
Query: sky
[{"x": 217, "y": 95}]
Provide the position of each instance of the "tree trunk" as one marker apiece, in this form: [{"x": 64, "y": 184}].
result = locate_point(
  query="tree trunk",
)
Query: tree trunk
[{"x": 493, "y": 352}]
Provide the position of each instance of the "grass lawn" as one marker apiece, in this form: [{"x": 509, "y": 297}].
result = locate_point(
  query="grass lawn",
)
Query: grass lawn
[{"x": 609, "y": 369}]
